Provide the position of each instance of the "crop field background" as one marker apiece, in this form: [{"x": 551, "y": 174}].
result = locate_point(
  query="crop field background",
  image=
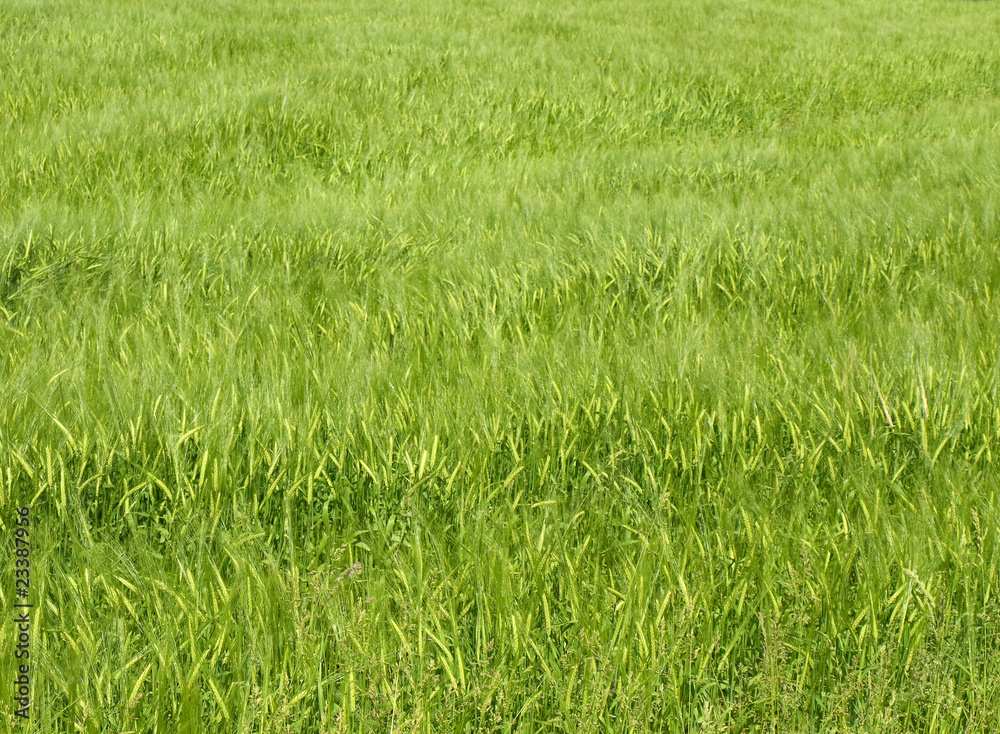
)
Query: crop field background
[{"x": 481, "y": 366}]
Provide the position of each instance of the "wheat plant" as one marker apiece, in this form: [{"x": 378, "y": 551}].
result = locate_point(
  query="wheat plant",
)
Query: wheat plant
[{"x": 502, "y": 367}]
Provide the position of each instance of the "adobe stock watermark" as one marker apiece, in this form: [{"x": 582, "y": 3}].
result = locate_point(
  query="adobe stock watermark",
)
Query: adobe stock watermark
[{"x": 22, "y": 614}]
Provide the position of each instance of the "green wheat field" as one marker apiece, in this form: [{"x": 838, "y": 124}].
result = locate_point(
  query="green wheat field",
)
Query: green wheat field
[{"x": 501, "y": 365}]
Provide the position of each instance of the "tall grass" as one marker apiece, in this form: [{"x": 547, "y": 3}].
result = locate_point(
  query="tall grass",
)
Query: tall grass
[{"x": 503, "y": 367}]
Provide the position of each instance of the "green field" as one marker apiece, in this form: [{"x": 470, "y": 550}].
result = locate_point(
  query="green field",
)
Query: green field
[{"x": 480, "y": 366}]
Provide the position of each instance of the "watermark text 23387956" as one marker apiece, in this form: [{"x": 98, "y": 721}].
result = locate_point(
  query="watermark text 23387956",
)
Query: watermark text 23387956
[{"x": 22, "y": 613}]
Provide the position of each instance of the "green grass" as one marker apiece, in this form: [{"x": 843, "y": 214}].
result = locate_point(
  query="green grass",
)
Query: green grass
[{"x": 503, "y": 367}]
